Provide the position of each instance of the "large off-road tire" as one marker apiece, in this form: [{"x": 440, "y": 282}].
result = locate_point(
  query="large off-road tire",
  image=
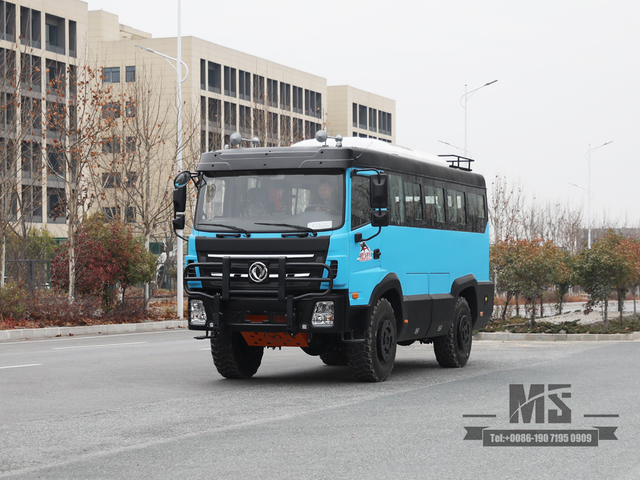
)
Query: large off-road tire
[
  {"x": 233, "y": 357},
  {"x": 373, "y": 359},
  {"x": 453, "y": 349},
  {"x": 335, "y": 357}
]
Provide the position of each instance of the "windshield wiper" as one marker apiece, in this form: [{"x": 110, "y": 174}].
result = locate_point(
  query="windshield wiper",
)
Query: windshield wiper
[
  {"x": 231, "y": 227},
  {"x": 297, "y": 227}
]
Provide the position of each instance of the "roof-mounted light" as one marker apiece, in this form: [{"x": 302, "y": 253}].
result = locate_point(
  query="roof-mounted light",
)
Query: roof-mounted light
[
  {"x": 322, "y": 136},
  {"x": 236, "y": 139}
]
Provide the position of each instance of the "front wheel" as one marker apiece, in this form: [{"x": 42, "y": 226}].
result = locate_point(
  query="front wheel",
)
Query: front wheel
[
  {"x": 453, "y": 349},
  {"x": 373, "y": 359},
  {"x": 233, "y": 357}
]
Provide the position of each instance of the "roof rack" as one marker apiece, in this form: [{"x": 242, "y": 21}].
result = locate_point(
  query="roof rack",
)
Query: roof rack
[{"x": 458, "y": 161}]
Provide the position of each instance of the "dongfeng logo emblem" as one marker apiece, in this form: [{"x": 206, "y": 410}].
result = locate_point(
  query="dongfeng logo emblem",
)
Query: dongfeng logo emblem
[{"x": 258, "y": 272}]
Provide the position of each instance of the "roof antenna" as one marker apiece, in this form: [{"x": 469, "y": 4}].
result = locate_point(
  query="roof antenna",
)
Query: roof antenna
[{"x": 321, "y": 136}]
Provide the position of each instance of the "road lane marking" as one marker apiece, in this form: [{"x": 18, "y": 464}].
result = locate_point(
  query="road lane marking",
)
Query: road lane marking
[
  {"x": 100, "y": 346},
  {"x": 20, "y": 366}
]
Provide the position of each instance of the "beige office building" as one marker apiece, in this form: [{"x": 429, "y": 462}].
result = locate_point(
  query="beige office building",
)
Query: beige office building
[{"x": 225, "y": 91}]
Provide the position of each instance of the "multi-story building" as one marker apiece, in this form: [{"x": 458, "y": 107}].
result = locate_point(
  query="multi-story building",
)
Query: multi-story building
[
  {"x": 225, "y": 91},
  {"x": 39, "y": 44}
]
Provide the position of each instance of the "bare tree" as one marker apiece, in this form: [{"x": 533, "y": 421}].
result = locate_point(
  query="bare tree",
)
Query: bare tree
[{"x": 79, "y": 123}]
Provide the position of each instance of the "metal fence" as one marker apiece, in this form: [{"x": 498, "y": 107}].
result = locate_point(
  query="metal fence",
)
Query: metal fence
[
  {"x": 36, "y": 274},
  {"x": 32, "y": 274}
]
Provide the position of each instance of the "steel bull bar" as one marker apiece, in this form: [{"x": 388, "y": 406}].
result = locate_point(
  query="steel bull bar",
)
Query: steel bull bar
[{"x": 220, "y": 280}]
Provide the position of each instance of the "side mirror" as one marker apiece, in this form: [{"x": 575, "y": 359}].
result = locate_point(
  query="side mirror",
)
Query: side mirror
[
  {"x": 182, "y": 179},
  {"x": 179, "y": 200},
  {"x": 379, "y": 188},
  {"x": 178, "y": 222},
  {"x": 380, "y": 218}
]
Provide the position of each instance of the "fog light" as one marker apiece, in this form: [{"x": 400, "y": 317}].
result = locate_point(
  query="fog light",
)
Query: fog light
[
  {"x": 197, "y": 313},
  {"x": 322, "y": 314}
]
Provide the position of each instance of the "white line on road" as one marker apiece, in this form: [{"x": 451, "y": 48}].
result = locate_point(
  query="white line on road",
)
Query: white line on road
[
  {"x": 20, "y": 366},
  {"x": 100, "y": 346}
]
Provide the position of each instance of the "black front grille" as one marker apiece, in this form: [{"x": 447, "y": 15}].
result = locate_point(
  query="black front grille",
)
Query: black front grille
[{"x": 291, "y": 266}]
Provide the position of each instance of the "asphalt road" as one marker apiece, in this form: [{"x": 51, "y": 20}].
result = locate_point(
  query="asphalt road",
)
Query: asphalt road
[{"x": 152, "y": 406}]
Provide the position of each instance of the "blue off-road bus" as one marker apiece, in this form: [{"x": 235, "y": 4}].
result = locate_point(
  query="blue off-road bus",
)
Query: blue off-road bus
[{"x": 345, "y": 248}]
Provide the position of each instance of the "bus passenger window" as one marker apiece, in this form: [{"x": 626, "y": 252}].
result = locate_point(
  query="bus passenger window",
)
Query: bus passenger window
[
  {"x": 413, "y": 203},
  {"x": 455, "y": 208},
  {"x": 476, "y": 212},
  {"x": 360, "y": 208},
  {"x": 434, "y": 203},
  {"x": 396, "y": 200}
]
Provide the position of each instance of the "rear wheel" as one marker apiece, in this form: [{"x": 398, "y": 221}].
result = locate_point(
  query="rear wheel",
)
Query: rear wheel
[
  {"x": 453, "y": 349},
  {"x": 373, "y": 359},
  {"x": 233, "y": 357}
]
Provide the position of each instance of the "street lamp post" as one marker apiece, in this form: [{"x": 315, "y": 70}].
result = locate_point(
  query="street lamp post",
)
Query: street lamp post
[
  {"x": 589, "y": 190},
  {"x": 180, "y": 80},
  {"x": 465, "y": 97}
]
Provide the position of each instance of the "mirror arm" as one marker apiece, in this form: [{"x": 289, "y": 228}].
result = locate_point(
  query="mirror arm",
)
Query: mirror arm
[{"x": 358, "y": 236}]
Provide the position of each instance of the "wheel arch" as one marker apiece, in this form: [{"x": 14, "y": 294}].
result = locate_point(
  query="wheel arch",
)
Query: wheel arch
[
  {"x": 391, "y": 289},
  {"x": 467, "y": 288}
]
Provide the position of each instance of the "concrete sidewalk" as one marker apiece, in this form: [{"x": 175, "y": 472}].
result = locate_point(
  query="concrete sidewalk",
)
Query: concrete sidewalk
[{"x": 49, "y": 332}]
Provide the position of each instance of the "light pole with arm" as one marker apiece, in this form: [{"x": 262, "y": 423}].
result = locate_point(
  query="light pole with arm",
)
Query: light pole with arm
[
  {"x": 589, "y": 190},
  {"x": 178, "y": 68},
  {"x": 464, "y": 98}
]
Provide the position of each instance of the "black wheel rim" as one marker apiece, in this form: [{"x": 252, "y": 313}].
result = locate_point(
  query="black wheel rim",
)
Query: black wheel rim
[
  {"x": 464, "y": 333},
  {"x": 386, "y": 340}
]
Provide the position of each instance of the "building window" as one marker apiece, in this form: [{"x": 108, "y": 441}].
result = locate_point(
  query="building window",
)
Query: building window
[
  {"x": 131, "y": 73},
  {"x": 111, "y": 110},
  {"x": 245, "y": 120},
  {"x": 54, "y": 34},
  {"x": 130, "y": 215},
  {"x": 111, "y": 145},
  {"x": 285, "y": 96},
  {"x": 297, "y": 99},
  {"x": 384, "y": 122},
  {"x": 111, "y": 180},
  {"x": 56, "y": 205},
  {"x": 230, "y": 81},
  {"x": 285, "y": 130},
  {"x": 32, "y": 203},
  {"x": 355, "y": 115},
  {"x": 230, "y": 121},
  {"x": 111, "y": 213},
  {"x": 130, "y": 144},
  {"x": 362, "y": 115},
  {"x": 214, "y": 115},
  {"x": 272, "y": 92},
  {"x": 244, "y": 79},
  {"x": 111, "y": 74},
  {"x": 258, "y": 89},
  {"x": 297, "y": 129},
  {"x": 130, "y": 109},
  {"x": 373, "y": 116},
  {"x": 8, "y": 21},
  {"x": 132, "y": 179},
  {"x": 214, "y": 78},
  {"x": 313, "y": 104}
]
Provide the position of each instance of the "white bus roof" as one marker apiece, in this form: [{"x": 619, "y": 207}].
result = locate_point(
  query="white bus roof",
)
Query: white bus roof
[{"x": 376, "y": 145}]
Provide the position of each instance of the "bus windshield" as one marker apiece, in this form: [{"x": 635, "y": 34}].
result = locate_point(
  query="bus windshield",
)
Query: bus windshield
[{"x": 282, "y": 201}]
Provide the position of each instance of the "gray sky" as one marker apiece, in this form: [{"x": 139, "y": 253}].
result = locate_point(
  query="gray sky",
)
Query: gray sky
[{"x": 568, "y": 76}]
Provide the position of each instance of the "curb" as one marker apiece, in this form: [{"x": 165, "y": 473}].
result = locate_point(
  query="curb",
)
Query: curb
[
  {"x": 49, "y": 332},
  {"x": 557, "y": 337}
]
